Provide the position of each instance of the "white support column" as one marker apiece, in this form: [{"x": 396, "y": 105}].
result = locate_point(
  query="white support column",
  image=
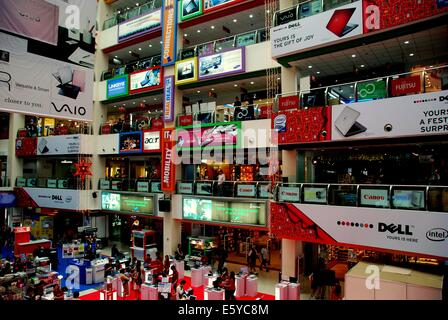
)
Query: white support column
[
  {"x": 171, "y": 227},
  {"x": 291, "y": 250}
]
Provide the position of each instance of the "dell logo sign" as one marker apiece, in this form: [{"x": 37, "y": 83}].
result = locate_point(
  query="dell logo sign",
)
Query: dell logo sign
[
  {"x": 437, "y": 234},
  {"x": 393, "y": 228},
  {"x": 53, "y": 197},
  {"x": 443, "y": 98}
]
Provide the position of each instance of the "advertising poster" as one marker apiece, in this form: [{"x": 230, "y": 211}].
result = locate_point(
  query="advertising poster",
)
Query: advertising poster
[
  {"x": 371, "y": 90},
  {"x": 406, "y": 85},
  {"x": 288, "y": 102},
  {"x": 7, "y": 199},
  {"x": 291, "y": 194},
  {"x": 408, "y": 199},
  {"x": 211, "y": 5},
  {"x": 168, "y": 165},
  {"x": 392, "y": 230},
  {"x": 242, "y": 213},
  {"x": 117, "y": 87},
  {"x": 374, "y": 197},
  {"x": 146, "y": 80},
  {"x": 185, "y": 188},
  {"x": 54, "y": 198},
  {"x": 169, "y": 32},
  {"x": 246, "y": 190},
  {"x": 412, "y": 115},
  {"x": 226, "y": 135},
  {"x": 142, "y": 186},
  {"x": 139, "y": 25},
  {"x": 190, "y": 9},
  {"x": 186, "y": 71},
  {"x": 131, "y": 142},
  {"x": 40, "y": 86},
  {"x": 168, "y": 99},
  {"x": 61, "y": 145},
  {"x": 110, "y": 201},
  {"x": 223, "y": 63},
  {"x": 151, "y": 141},
  {"x": 136, "y": 204},
  {"x": 315, "y": 195},
  {"x": 56, "y": 29},
  {"x": 26, "y": 147},
  {"x": 324, "y": 28}
]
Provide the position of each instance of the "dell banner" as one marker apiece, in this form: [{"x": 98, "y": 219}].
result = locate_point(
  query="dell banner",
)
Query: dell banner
[
  {"x": 324, "y": 28},
  {"x": 54, "y": 198},
  {"x": 65, "y": 145},
  {"x": 168, "y": 165},
  {"x": 169, "y": 32},
  {"x": 413, "y": 115},
  {"x": 391, "y": 230},
  {"x": 39, "y": 86}
]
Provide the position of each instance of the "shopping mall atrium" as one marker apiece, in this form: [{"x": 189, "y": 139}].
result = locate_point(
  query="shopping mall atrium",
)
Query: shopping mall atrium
[{"x": 224, "y": 149}]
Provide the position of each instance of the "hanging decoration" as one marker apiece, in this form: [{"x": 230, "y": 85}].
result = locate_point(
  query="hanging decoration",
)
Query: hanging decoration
[{"x": 82, "y": 169}]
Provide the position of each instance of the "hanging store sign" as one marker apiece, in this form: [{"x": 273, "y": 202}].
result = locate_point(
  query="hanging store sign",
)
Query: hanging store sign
[
  {"x": 131, "y": 142},
  {"x": 186, "y": 71},
  {"x": 327, "y": 28},
  {"x": 185, "y": 188},
  {"x": 168, "y": 183},
  {"x": 169, "y": 32},
  {"x": 136, "y": 204},
  {"x": 314, "y": 195},
  {"x": 411, "y": 115},
  {"x": 223, "y": 63},
  {"x": 142, "y": 186},
  {"x": 140, "y": 25},
  {"x": 224, "y": 135},
  {"x": 374, "y": 197},
  {"x": 288, "y": 103},
  {"x": 117, "y": 87},
  {"x": 226, "y": 212},
  {"x": 291, "y": 194},
  {"x": 146, "y": 80},
  {"x": 168, "y": 99},
  {"x": 190, "y": 9},
  {"x": 393, "y": 230},
  {"x": 151, "y": 141},
  {"x": 65, "y": 145},
  {"x": 369, "y": 90}
]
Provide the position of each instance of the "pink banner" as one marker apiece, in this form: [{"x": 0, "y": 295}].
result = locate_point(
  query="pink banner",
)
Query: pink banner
[
  {"x": 36, "y": 19},
  {"x": 208, "y": 137}
]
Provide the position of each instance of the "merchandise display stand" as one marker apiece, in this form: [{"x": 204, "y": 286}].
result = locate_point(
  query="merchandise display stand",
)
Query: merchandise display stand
[
  {"x": 197, "y": 276},
  {"x": 240, "y": 285},
  {"x": 293, "y": 291},
  {"x": 149, "y": 292},
  {"x": 180, "y": 267},
  {"x": 213, "y": 294},
  {"x": 251, "y": 286},
  {"x": 281, "y": 291}
]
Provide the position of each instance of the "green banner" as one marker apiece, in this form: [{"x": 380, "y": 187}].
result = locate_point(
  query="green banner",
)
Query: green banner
[{"x": 371, "y": 90}]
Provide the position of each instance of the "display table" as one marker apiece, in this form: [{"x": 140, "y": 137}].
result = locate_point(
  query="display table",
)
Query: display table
[
  {"x": 149, "y": 292},
  {"x": 251, "y": 286},
  {"x": 108, "y": 294},
  {"x": 29, "y": 247},
  {"x": 180, "y": 267},
  {"x": 240, "y": 285},
  {"x": 281, "y": 291},
  {"x": 197, "y": 277},
  {"x": 98, "y": 267},
  {"x": 82, "y": 265},
  {"x": 294, "y": 291},
  {"x": 208, "y": 280},
  {"x": 213, "y": 294}
]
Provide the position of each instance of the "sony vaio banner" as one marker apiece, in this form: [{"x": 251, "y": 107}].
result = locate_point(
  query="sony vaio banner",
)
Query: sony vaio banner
[
  {"x": 412, "y": 115},
  {"x": 396, "y": 230},
  {"x": 169, "y": 32},
  {"x": 324, "y": 28},
  {"x": 61, "y": 30},
  {"x": 36, "y": 85}
]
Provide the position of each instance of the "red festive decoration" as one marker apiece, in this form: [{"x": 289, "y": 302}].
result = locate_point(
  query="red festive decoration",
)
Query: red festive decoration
[{"x": 82, "y": 169}]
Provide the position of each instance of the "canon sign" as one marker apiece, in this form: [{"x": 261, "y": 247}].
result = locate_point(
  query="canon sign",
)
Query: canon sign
[
  {"x": 373, "y": 197},
  {"x": 393, "y": 228},
  {"x": 437, "y": 234}
]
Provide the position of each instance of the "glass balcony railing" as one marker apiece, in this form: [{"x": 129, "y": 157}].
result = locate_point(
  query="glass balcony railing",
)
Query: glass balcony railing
[
  {"x": 232, "y": 189},
  {"x": 306, "y": 9},
  {"x": 54, "y": 183},
  {"x": 139, "y": 65},
  {"x": 133, "y": 185},
  {"x": 419, "y": 81},
  {"x": 152, "y": 121},
  {"x": 120, "y": 16},
  {"x": 215, "y": 46},
  {"x": 418, "y": 197}
]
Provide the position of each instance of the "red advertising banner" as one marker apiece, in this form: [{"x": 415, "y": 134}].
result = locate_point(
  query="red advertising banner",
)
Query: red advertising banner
[
  {"x": 186, "y": 120},
  {"x": 305, "y": 125},
  {"x": 26, "y": 147},
  {"x": 157, "y": 124},
  {"x": 288, "y": 103},
  {"x": 406, "y": 85},
  {"x": 168, "y": 166}
]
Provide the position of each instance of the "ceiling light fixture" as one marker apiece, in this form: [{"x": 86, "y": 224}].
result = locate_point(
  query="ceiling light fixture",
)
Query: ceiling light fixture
[
  {"x": 185, "y": 35},
  {"x": 251, "y": 82},
  {"x": 213, "y": 27},
  {"x": 235, "y": 85},
  {"x": 362, "y": 66},
  {"x": 234, "y": 20},
  {"x": 406, "y": 42},
  {"x": 150, "y": 45},
  {"x": 199, "y": 31},
  {"x": 139, "y": 49},
  {"x": 411, "y": 54},
  {"x": 310, "y": 66},
  {"x": 353, "y": 55},
  {"x": 251, "y": 16},
  {"x": 213, "y": 89},
  {"x": 130, "y": 51},
  {"x": 198, "y": 91},
  {"x": 318, "y": 72}
]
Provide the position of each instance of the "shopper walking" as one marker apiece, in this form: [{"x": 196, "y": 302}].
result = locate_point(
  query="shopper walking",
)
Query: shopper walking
[
  {"x": 125, "y": 282},
  {"x": 264, "y": 259},
  {"x": 166, "y": 265},
  {"x": 230, "y": 287},
  {"x": 253, "y": 256},
  {"x": 222, "y": 259}
]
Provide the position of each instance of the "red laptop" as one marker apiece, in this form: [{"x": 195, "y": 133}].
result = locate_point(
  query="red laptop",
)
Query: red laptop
[{"x": 338, "y": 23}]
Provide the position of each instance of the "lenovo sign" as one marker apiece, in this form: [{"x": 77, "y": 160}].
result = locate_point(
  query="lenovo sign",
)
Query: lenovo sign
[{"x": 394, "y": 228}]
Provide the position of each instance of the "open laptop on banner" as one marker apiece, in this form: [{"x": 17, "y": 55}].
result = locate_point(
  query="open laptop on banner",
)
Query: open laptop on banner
[
  {"x": 338, "y": 23},
  {"x": 64, "y": 76},
  {"x": 346, "y": 122}
]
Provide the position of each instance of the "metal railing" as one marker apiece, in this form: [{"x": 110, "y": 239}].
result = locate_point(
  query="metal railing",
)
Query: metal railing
[
  {"x": 220, "y": 114},
  {"x": 306, "y": 9},
  {"x": 233, "y": 189},
  {"x": 73, "y": 183},
  {"x": 410, "y": 197},
  {"x": 369, "y": 89},
  {"x": 138, "y": 65},
  {"x": 222, "y": 44},
  {"x": 121, "y": 127},
  {"x": 132, "y": 13},
  {"x": 133, "y": 185}
]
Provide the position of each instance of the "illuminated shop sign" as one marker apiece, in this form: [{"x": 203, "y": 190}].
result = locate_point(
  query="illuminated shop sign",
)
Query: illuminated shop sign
[
  {"x": 146, "y": 80},
  {"x": 127, "y": 203},
  {"x": 117, "y": 87},
  {"x": 186, "y": 71},
  {"x": 223, "y": 63},
  {"x": 190, "y": 9},
  {"x": 240, "y": 213},
  {"x": 131, "y": 142}
]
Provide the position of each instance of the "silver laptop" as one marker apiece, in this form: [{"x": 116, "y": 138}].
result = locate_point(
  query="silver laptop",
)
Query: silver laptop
[{"x": 346, "y": 122}]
